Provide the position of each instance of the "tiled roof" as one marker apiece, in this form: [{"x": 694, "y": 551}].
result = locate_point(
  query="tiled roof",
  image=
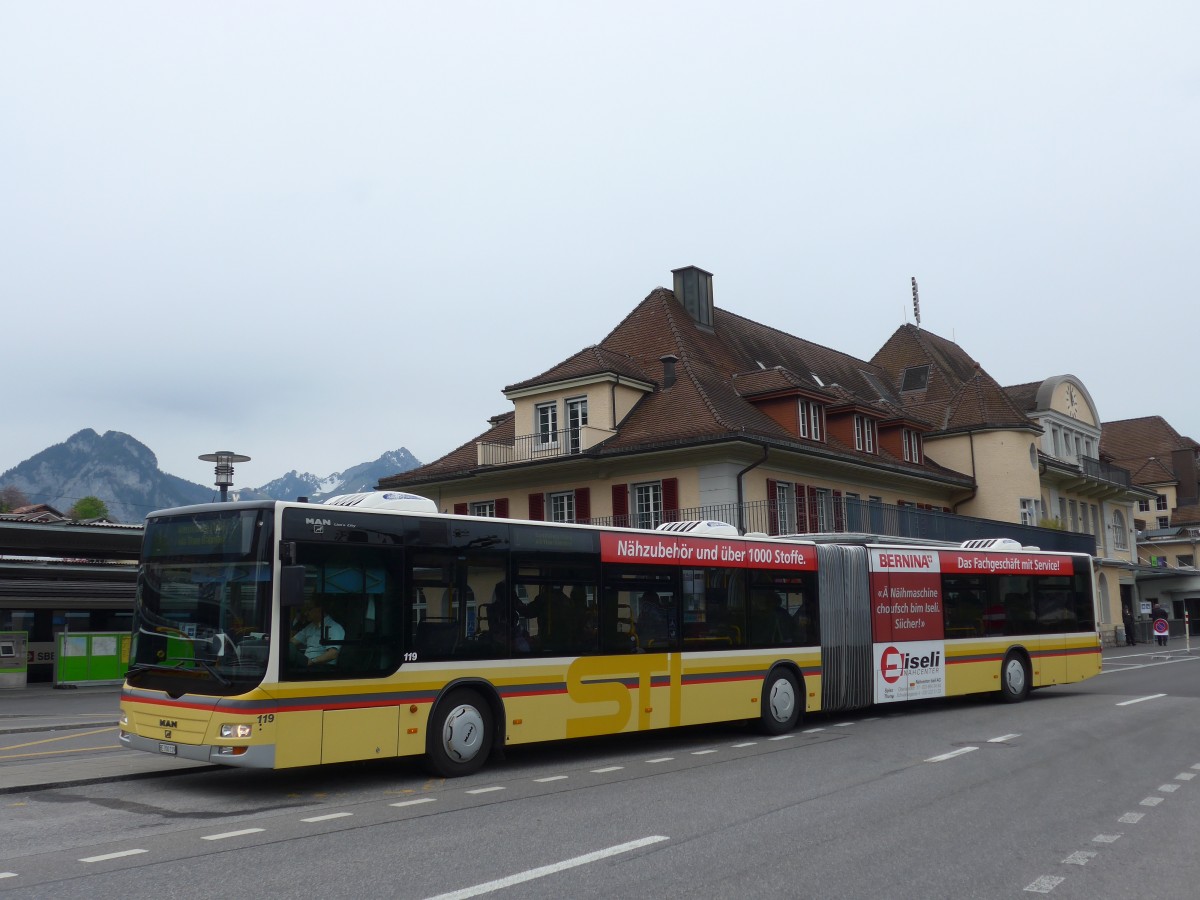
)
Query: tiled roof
[
  {"x": 958, "y": 393},
  {"x": 718, "y": 367},
  {"x": 594, "y": 360}
]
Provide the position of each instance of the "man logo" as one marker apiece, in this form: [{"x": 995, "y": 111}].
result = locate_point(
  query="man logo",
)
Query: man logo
[{"x": 167, "y": 723}]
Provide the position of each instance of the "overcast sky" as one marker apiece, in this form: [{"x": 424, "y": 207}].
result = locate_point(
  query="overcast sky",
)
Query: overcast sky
[{"x": 311, "y": 233}]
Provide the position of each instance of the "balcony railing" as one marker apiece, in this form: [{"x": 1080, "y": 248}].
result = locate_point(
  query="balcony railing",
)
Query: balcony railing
[
  {"x": 863, "y": 516},
  {"x": 1093, "y": 468},
  {"x": 544, "y": 445}
]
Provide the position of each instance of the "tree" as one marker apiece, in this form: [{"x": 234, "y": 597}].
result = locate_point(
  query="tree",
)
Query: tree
[
  {"x": 12, "y": 497},
  {"x": 88, "y": 508}
]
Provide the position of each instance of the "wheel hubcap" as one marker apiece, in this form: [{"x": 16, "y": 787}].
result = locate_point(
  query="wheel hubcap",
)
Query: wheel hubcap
[
  {"x": 782, "y": 700},
  {"x": 1014, "y": 674},
  {"x": 462, "y": 735}
]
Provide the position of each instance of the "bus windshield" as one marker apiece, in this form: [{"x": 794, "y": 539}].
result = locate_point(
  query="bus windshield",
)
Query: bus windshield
[{"x": 203, "y": 603}]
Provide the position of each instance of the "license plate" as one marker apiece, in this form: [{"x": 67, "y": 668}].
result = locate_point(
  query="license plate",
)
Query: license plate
[{"x": 169, "y": 749}]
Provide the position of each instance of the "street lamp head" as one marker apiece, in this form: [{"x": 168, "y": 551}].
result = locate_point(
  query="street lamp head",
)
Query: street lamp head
[{"x": 224, "y": 468}]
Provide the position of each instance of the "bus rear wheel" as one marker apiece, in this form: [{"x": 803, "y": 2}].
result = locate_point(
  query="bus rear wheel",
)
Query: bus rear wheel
[
  {"x": 460, "y": 735},
  {"x": 1014, "y": 679},
  {"x": 781, "y": 699}
]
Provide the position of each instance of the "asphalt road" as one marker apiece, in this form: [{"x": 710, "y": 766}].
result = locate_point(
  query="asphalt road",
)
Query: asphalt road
[{"x": 1083, "y": 791}]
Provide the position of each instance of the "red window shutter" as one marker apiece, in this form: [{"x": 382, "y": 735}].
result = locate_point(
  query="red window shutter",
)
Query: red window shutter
[
  {"x": 801, "y": 508},
  {"x": 772, "y": 506},
  {"x": 537, "y": 507},
  {"x": 583, "y": 504},
  {"x": 670, "y": 495},
  {"x": 839, "y": 514},
  {"x": 620, "y": 505},
  {"x": 813, "y": 523},
  {"x": 461, "y": 509},
  {"x": 502, "y": 507}
]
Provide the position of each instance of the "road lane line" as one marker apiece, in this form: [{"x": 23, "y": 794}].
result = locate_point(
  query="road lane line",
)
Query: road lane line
[
  {"x": 65, "y": 737},
  {"x": 543, "y": 871},
  {"x": 1106, "y": 838},
  {"x": 230, "y": 834},
  {"x": 1131, "y": 818},
  {"x": 1152, "y": 801},
  {"x": 1045, "y": 884},
  {"x": 951, "y": 754},
  {"x": 1184, "y": 776},
  {"x": 1140, "y": 699},
  {"x": 779, "y": 737},
  {"x": 327, "y": 817},
  {"x": 487, "y": 790},
  {"x": 702, "y": 752},
  {"x": 551, "y": 778},
  {"x": 744, "y": 744},
  {"x": 106, "y": 856},
  {"x": 415, "y": 802},
  {"x": 8, "y": 874},
  {"x": 1168, "y": 788},
  {"x": 661, "y": 759},
  {"x": 607, "y": 769},
  {"x": 1080, "y": 858},
  {"x": 1004, "y": 738}
]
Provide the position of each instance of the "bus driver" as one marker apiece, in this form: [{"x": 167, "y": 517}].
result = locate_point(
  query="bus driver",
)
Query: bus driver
[{"x": 317, "y": 642}]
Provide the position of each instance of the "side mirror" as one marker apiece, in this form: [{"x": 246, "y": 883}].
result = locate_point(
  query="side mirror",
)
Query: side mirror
[{"x": 291, "y": 586}]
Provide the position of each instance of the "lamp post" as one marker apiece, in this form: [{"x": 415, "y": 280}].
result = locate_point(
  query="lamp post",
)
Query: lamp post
[{"x": 224, "y": 460}]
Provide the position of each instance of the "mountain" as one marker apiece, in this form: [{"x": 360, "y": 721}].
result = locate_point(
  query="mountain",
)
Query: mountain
[
  {"x": 124, "y": 473},
  {"x": 115, "y": 467},
  {"x": 362, "y": 477}
]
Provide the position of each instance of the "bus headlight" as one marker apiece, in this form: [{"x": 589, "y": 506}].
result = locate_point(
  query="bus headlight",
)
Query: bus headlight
[{"x": 235, "y": 731}]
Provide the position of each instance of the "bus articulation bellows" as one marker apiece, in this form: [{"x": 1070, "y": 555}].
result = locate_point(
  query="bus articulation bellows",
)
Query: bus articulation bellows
[{"x": 277, "y": 634}]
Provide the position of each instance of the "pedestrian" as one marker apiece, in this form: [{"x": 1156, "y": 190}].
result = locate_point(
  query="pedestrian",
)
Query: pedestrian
[
  {"x": 1157, "y": 613},
  {"x": 1127, "y": 618}
]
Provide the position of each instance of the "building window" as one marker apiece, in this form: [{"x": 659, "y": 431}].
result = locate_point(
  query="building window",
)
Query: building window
[
  {"x": 1164, "y": 521},
  {"x": 912, "y": 445},
  {"x": 1120, "y": 541},
  {"x": 647, "y": 505},
  {"x": 562, "y": 506},
  {"x": 1143, "y": 505},
  {"x": 1029, "y": 511},
  {"x": 1185, "y": 559},
  {"x": 576, "y": 419},
  {"x": 864, "y": 434},
  {"x": 785, "y": 508},
  {"x": 546, "y": 417},
  {"x": 486, "y": 508},
  {"x": 1083, "y": 517},
  {"x": 1074, "y": 515},
  {"x": 1160, "y": 502},
  {"x": 811, "y": 416},
  {"x": 824, "y": 506}
]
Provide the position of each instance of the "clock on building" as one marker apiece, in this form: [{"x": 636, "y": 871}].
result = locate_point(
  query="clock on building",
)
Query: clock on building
[{"x": 1072, "y": 403}]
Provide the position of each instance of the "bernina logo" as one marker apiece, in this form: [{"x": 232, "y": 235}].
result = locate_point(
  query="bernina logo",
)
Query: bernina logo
[{"x": 167, "y": 723}]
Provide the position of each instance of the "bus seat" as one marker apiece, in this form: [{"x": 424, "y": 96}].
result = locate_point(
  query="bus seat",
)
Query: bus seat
[{"x": 437, "y": 637}]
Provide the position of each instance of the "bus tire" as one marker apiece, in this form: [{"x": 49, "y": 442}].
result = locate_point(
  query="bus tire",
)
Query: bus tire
[
  {"x": 1014, "y": 678},
  {"x": 460, "y": 734},
  {"x": 781, "y": 702}
]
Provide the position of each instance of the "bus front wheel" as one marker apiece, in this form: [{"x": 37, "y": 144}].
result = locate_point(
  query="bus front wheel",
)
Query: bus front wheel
[
  {"x": 460, "y": 735},
  {"x": 781, "y": 699},
  {"x": 1014, "y": 679}
]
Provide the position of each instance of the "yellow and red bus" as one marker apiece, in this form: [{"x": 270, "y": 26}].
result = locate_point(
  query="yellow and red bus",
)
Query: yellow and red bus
[{"x": 279, "y": 634}]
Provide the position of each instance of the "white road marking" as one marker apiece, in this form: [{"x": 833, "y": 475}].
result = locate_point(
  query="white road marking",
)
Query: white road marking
[
  {"x": 1106, "y": 838},
  {"x": 414, "y": 802},
  {"x": 1168, "y": 788},
  {"x": 1196, "y": 765},
  {"x": 1140, "y": 699},
  {"x": 107, "y": 856},
  {"x": 779, "y": 737},
  {"x": 702, "y": 752},
  {"x": 661, "y": 759},
  {"x": 606, "y": 769},
  {"x": 1003, "y": 738},
  {"x": 1152, "y": 801},
  {"x": 1185, "y": 776},
  {"x": 327, "y": 817},
  {"x": 745, "y": 744},
  {"x": 486, "y": 790},
  {"x": 1080, "y": 858},
  {"x": 951, "y": 754},
  {"x": 8, "y": 874},
  {"x": 1045, "y": 884},
  {"x": 230, "y": 834},
  {"x": 843, "y": 724},
  {"x": 543, "y": 871},
  {"x": 815, "y": 730},
  {"x": 1131, "y": 818},
  {"x": 550, "y": 778}
]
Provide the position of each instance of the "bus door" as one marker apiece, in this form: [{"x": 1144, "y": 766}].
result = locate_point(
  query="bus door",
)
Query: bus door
[{"x": 845, "y": 621}]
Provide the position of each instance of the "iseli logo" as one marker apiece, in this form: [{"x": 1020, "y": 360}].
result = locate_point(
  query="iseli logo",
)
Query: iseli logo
[{"x": 895, "y": 663}]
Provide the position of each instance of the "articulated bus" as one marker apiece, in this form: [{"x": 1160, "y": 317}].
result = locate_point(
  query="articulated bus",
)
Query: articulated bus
[{"x": 279, "y": 634}]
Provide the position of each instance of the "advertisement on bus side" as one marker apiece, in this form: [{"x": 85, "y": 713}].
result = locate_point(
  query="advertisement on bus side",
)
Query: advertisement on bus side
[{"x": 910, "y": 670}]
